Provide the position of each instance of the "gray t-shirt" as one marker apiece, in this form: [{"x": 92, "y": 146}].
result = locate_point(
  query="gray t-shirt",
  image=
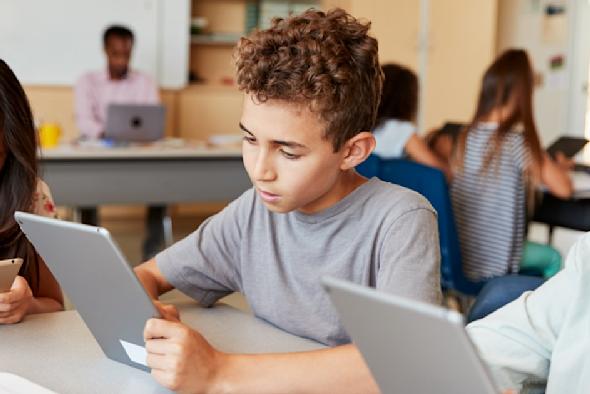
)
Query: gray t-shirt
[{"x": 380, "y": 235}]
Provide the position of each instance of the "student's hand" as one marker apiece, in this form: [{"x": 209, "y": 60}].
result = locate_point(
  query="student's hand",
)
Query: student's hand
[
  {"x": 15, "y": 304},
  {"x": 167, "y": 311},
  {"x": 564, "y": 162},
  {"x": 180, "y": 358}
]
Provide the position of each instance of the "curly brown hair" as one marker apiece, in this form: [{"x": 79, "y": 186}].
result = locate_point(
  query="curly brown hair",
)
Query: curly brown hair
[{"x": 323, "y": 60}]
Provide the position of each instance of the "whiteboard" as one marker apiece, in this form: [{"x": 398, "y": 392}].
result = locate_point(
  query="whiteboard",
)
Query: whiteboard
[{"x": 54, "y": 42}]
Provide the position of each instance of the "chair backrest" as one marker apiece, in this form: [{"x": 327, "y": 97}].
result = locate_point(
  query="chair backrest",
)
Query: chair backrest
[
  {"x": 370, "y": 167},
  {"x": 498, "y": 292},
  {"x": 432, "y": 184}
]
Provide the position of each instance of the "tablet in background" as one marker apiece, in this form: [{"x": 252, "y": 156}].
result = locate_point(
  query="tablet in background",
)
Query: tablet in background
[
  {"x": 569, "y": 146},
  {"x": 96, "y": 277}
]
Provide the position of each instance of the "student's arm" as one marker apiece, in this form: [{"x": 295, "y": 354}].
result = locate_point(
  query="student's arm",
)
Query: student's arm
[
  {"x": 152, "y": 279},
  {"x": 155, "y": 285},
  {"x": 182, "y": 360},
  {"x": 410, "y": 255},
  {"x": 555, "y": 175},
  {"x": 88, "y": 124},
  {"x": 419, "y": 151},
  {"x": 517, "y": 341}
]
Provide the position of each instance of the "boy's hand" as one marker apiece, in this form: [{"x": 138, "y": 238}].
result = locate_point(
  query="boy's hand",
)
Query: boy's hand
[
  {"x": 180, "y": 358},
  {"x": 14, "y": 304},
  {"x": 167, "y": 311}
]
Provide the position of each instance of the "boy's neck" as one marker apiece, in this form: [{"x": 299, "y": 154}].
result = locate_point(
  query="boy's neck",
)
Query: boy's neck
[{"x": 348, "y": 182}]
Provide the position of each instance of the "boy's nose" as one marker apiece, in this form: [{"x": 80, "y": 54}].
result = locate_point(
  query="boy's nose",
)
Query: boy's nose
[{"x": 264, "y": 170}]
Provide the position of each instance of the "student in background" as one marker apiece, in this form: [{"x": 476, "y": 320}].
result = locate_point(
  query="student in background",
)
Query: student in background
[
  {"x": 499, "y": 161},
  {"x": 543, "y": 335},
  {"x": 312, "y": 85},
  {"x": 117, "y": 84},
  {"x": 395, "y": 132},
  {"x": 34, "y": 290}
]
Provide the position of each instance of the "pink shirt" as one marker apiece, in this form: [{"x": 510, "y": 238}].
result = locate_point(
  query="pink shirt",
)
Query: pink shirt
[{"x": 95, "y": 90}]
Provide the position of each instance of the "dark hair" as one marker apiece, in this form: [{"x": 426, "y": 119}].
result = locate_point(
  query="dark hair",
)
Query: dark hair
[
  {"x": 399, "y": 99},
  {"x": 116, "y": 31},
  {"x": 18, "y": 175},
  {"x": 323, "y": 60},
  {"x": 508, "y": 81}
]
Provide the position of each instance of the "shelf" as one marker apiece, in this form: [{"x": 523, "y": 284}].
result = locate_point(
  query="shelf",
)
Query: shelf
[{"x": 229, "y": 39}]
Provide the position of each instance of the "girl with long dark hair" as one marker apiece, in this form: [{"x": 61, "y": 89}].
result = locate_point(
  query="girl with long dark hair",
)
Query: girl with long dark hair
[
  {"x": 499, "y": 160},
  {"x": 34, "y": 290},
  {"x": 395, "y": 131}
]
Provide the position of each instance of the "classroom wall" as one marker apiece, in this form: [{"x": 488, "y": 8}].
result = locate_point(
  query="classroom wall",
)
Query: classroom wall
[
  {"x": 447, "y": 43},
  {"x": 523, "y": 24},
  {"x": 54, "y": 42}
]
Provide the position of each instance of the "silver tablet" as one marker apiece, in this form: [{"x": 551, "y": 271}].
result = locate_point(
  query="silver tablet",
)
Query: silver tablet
[
  {"x": 409, "y": 346},
  {"x": 95, "y": 276}
]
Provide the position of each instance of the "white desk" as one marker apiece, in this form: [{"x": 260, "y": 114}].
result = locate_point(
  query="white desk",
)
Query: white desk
[
  {"x": 58, "y": 352},
  {"x": 158, "y": 175}
]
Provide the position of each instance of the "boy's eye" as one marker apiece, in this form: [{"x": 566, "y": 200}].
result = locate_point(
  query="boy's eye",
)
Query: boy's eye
[
  {"x": 290, "y": 156},
  {"x": 249, "y": 139}
]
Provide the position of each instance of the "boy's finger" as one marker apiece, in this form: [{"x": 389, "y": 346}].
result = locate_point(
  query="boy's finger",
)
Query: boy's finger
[
  {"x": 157, "y": 361},
  {"x": 160, "y": 328}
]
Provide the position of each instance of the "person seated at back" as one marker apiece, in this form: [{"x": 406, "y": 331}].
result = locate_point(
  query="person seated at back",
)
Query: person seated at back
[
  {"x": 498, "y": 154},
  {"x": 117, "y": 84},
  {"x": 34, "y": 290},
  {"x": 311, "y": 87},
  {"x": 395, "y": 132},
  {"x": 543, "y": 335}
]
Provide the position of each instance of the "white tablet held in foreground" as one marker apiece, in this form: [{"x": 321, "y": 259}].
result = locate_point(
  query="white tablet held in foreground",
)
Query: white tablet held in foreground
[
  {"x": 409, "y": 346},
  {"x": 94, "y": 274}
]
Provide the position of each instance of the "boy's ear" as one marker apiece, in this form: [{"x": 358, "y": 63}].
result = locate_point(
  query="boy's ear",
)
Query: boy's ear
[{"x": 357, "y": 149}]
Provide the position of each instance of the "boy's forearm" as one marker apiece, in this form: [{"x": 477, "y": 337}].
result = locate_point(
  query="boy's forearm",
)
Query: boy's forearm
[
  {"x": 336, "y": 370},
  {"x": 147, "y": 279}
]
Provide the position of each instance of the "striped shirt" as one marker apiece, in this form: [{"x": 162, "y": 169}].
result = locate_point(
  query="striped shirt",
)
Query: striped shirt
[{"x": 490, "y": 206}]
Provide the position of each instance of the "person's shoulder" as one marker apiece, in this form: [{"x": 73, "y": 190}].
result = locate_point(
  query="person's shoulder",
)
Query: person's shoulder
[
  {"x": 90, "y": 77},
  {"x": 243, "y": 206},
  {"x": 141, "y": 76},
  {"x": 396, "y": 125},
  {"x": 395, "y": 200}
]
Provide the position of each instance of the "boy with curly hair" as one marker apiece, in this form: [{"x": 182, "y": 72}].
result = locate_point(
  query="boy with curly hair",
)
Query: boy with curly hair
[{"x": 311, "y": 87}]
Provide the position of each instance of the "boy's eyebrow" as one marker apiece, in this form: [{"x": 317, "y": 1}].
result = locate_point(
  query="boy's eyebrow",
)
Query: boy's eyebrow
[
  {"x": 289, "y": 144},
  {"x": 243, "y": 128}
]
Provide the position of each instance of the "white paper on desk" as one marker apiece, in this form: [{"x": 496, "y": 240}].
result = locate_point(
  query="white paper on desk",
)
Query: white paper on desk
[
  {"x": 14, "y": 384},
  {"x": 136, "y": 353}
]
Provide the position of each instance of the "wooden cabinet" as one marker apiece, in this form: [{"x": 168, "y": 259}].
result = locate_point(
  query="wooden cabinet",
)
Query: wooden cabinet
[{"x": 448, "y": 43}]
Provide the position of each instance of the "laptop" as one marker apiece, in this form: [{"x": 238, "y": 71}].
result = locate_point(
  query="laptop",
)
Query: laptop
[
  {"x": 409, "y": 346},
  {"x": 567, "y": 145},
  {"x": 94, "y": 274},
  {"x": 135, "y": 123}
]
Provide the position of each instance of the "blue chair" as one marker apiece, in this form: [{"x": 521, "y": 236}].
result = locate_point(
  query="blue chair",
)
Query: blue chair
[
  {"x": 432, "y": 184},
  {"x": 370, "y": 167},
  {"x": 498, "y": 292}
]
